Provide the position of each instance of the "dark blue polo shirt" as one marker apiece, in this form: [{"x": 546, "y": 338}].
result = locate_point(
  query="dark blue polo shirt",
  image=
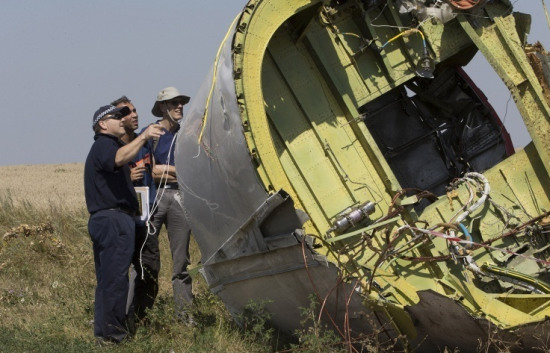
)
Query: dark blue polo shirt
[
  {"x": 162, "y": 149},
  {"x": 105, "y": 185}
]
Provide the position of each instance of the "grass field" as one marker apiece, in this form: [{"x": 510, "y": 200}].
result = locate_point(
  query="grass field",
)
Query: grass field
[
  {"x": 44, "y": 185},
  {"x": 47, "y": 277},
  {"x": 47, "y": 283}
]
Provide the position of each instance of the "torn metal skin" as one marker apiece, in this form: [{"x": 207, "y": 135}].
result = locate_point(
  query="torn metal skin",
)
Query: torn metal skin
[{"x": 337, "y": 149}]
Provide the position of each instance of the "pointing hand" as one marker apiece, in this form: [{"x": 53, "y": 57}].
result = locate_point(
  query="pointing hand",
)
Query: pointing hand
[{"x": 153, "y": 131}]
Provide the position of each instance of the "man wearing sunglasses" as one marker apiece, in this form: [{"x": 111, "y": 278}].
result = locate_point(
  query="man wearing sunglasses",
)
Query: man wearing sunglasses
[
  {"x": 112, "y": 203},
  {"x": 145, "y": 264},
  {"x": 169, "y": 210}
]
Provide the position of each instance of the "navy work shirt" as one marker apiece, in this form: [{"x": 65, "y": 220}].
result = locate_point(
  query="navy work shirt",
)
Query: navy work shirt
[
  {"x": 162, "y": 148},
  {"x": 106, "y": 185}
]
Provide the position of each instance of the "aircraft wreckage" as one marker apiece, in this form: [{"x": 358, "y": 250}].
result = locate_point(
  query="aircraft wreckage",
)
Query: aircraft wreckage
[{"x": 338, "y": 149}]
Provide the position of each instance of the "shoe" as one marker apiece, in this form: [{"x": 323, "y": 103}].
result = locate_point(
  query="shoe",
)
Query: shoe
[
  {"x": 186, "y": 319},
  {"x": 104, "y": 342},
  {"x": 191, "y": 321}
]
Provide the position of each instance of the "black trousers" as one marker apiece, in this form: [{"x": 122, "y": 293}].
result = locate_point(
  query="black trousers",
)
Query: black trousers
[
  {"x": 113, "y": 237},
  {"x": 144, "y": 273}
]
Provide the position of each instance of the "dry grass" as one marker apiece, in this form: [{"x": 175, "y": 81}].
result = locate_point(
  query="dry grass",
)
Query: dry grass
[
  {"x": 47, "y": 276},
  {"x": 47, "y": 279},
  {"x": 61, "y": 187},
  {"x": 44, "y": 185}
]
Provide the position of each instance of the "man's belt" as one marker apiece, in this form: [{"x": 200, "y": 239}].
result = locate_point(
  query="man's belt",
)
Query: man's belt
[
  {"x": 131, "y": 213},
  {"x": 169, "y": 186}
]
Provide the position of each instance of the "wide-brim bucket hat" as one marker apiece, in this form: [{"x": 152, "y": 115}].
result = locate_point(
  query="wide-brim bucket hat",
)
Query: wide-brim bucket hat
[{"x": 167, "y": 94}]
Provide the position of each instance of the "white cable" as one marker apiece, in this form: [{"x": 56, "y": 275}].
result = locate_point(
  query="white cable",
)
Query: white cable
[
  {"x": 481, "y": 200},
  {"x": 156, "y": 202}
]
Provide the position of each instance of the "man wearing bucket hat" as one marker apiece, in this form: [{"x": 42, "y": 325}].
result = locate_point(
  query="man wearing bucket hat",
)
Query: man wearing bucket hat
[
  {"x": 169, "y": 209},
  {"x": 112, "y": 203}
]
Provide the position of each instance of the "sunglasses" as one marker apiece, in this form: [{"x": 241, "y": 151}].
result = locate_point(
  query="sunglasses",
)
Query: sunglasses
[
  {"x": 175, "y": 102},
  {"x": 114, "y": 116}
]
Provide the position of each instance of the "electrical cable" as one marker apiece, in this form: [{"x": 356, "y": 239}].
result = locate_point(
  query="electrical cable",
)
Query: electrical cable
[
  {"x": 156, "y": 201},
  {"x": 316, "y": 291},
  {"x": 466, "y": 233},
  {"x": 406, "y": 33},
  {"x": 216, "y": 62}
]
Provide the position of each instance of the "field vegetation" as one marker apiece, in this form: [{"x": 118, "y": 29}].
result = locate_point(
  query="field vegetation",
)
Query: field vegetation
[
  {"x": 47, "y": 280},
  {"x": 45, "y": 185},
  {"x": 47, "y": 283}
]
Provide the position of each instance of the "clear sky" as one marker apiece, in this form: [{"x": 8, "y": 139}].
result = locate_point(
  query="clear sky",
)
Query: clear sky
[{"x": 62, "y": 59}]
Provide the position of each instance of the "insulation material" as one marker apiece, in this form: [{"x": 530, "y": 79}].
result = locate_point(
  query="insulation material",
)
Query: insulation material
[{"x": 540, "y": 61}]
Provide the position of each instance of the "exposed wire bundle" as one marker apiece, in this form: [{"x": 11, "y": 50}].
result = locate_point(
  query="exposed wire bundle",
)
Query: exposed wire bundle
[{"x": 379, "y": 246}]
